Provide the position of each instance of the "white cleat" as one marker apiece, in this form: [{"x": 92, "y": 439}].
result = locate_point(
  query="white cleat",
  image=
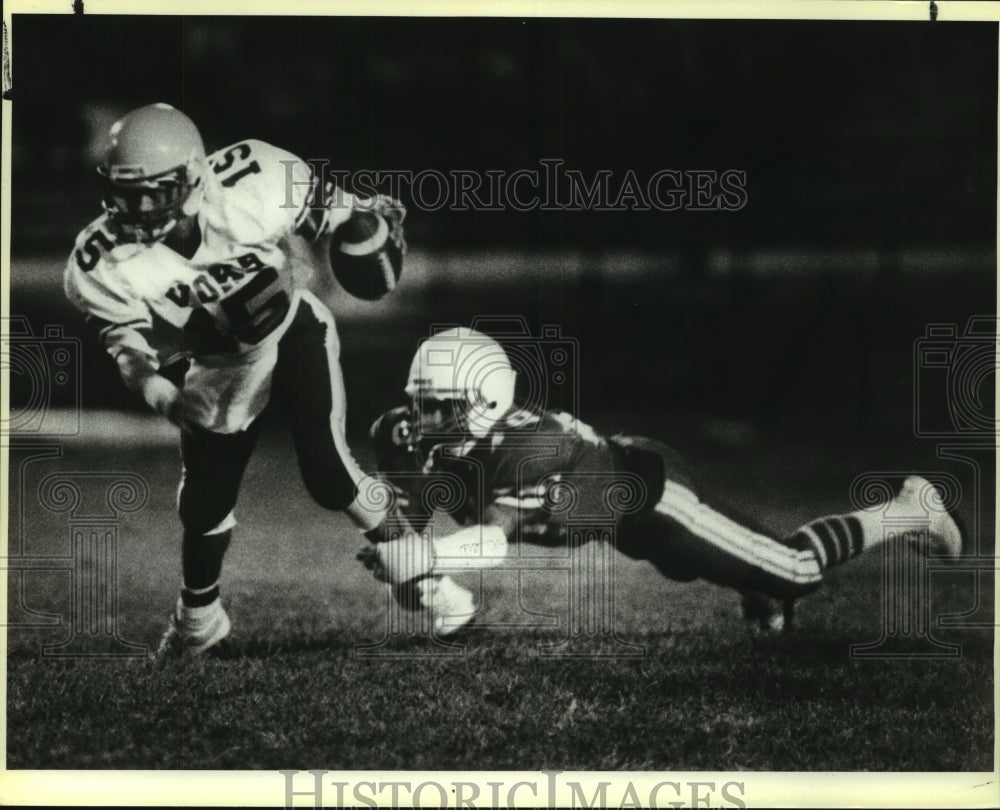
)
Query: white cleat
[
  {"x": 921, "y": 498},
  {"x": 452, "y": 607},
  {"x": 449, "y": 606},
  {"x": 193, "y": 630}
]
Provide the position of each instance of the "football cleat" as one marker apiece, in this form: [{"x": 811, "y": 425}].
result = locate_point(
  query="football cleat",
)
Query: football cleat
[
  {"x": 921, "y": 498},
  {"x": 450, "y": 606},
  {"x": 764, "y": 616},
  {"x": 193, "y": 630}
]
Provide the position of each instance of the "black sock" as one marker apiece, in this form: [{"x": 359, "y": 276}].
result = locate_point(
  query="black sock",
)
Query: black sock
[
  {"x": 199, "y": 598},
  {"x": 201, "y": 558}
]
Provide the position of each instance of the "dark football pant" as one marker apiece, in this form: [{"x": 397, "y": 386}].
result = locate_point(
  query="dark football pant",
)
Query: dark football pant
[
  {"x": 687, "y": 539},
  {"x": 307, "y": 390}
]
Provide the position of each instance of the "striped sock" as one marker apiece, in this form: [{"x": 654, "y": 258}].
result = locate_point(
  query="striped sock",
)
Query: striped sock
[{"x": 834, "y": 540}]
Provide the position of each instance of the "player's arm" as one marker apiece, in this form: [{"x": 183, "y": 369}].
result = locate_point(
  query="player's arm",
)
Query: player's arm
[
  {"x": 363, "y": 236},
  {"x": 122, "y": 324},
  {"x": 140, "y": 373},
  {"x": 399, "y": 462},
  {"x": 325, "y": 208},
  {"x": 411, "y": 554},
  {"x": 484, "y": 544},
  {"x": 404, "y": 555},
  {"x": 508, "y": 519}
]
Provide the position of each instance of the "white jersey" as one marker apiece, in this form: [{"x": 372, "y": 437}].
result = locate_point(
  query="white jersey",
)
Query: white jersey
[{"x": 227, "y": 306}]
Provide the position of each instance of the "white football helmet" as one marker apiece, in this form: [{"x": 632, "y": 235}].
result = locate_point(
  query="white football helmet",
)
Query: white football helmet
[
  {"x": 153, "y": 174},
  {"x": 460, "y": 381}
]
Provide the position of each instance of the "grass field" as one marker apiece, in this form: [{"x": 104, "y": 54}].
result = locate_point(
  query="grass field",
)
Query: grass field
[{"x": 302, "y": 691}]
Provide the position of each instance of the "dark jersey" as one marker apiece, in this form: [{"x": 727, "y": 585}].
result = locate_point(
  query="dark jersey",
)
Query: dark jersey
[{"x": 542, "y": 477}]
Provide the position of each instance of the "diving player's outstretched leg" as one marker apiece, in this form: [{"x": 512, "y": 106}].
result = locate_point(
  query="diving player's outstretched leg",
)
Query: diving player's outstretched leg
[{"x": 686, "y": 538}]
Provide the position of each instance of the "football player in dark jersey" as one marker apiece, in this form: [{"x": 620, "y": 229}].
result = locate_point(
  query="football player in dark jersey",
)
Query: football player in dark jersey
[{"x": 510, "y": 475}]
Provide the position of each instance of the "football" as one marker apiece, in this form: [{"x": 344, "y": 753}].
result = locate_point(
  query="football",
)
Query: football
[{"x": 364, "y": 259}]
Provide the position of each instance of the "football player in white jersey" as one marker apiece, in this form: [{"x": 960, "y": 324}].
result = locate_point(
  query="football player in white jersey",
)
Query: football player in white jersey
[
  {"x": 207, "y": 258},
  {"x": 506, "y": 474}
]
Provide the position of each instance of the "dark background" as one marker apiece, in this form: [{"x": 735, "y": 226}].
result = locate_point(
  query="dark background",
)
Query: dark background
[{"x": 869, "y": 150}]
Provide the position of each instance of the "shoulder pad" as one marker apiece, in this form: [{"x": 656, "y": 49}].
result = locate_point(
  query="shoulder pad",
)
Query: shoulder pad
[
  {"x": 97, "y": 244},
  {"x": 94, "y": 282},
  {"x": 520, "y": 418},
  {"x": 549, "y": 422},
  {"x": 564, "y": 422},
  {"x": 263, "y": 190}
]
